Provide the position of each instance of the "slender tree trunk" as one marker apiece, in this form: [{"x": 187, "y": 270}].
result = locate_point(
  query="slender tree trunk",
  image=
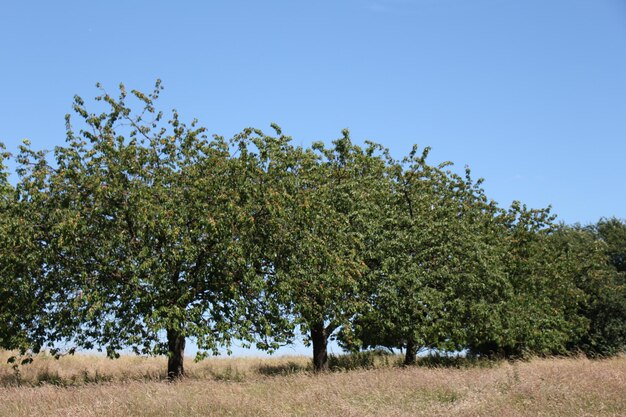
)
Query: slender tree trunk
[
  {"x": 176, "y": 347},
  {"x": 411, "y": 352},
  {"x": 319, "y": 337}
]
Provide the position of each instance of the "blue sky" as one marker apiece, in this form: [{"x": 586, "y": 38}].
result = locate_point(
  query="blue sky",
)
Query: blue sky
[{"x": 531, "y": 94}]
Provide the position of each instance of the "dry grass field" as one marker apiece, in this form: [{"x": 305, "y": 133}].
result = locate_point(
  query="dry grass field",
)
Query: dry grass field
[{"x": 132, "y": 386}]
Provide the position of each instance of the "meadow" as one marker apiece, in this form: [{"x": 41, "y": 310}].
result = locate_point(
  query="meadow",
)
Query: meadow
[{"x": 365, "y": 385}]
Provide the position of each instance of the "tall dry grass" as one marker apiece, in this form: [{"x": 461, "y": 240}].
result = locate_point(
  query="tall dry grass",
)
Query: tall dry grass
[
  {"x": 286, "y": 387},
  {"x": 81, "y": 369}
]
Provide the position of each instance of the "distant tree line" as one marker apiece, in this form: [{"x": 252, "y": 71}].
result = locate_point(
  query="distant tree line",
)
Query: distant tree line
[{"x": 142, "y": 231}]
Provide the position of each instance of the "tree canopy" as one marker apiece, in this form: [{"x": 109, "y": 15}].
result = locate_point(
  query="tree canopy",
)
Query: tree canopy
[{"x": 142, "y": 231}]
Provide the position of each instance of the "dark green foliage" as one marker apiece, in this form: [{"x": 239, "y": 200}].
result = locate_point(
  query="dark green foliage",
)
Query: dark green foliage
[
  {"x": 150, "y": 233},
  {"x": 435, "y": 276},
  {"x": 369, "y": 359},
  {"x": 566, "y": 295},
  {"x": 539, "y": 312},
  {"x": 437, "y": 360},
  {"x": 327, "y": 203},
  {"x": 24, "y": 215},
  {"x": 15, "y": 307},
  {"x": 593, "y": 256},
  {"x": 289, "y": 368},
  {"x": 613, "y": 233},
  {"x": 142, "y": 232}
]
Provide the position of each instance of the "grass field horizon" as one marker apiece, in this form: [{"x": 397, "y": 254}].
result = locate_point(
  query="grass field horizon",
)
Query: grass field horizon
[{"x": 366, "y": 385}]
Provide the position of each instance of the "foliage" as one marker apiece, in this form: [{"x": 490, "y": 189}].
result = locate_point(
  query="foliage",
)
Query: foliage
[
  {"x": 539, "y": 313},
  {"x": 613, "y": 233},
  {"x": 23, "y": 286},
  {"x": 142, "y": 232},
  {"x": 591, "y": 256},
  {"x": 328, "y": 204},
  {"x": 436, "y": 273},
  {"x": 606, "y": 304},
  {"x": 151, "y": 234}
]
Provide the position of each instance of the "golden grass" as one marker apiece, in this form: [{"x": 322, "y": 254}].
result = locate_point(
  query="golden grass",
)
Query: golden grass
[
  {"x": 132, "y": 386},
  {"x": 84, "y": 369}
]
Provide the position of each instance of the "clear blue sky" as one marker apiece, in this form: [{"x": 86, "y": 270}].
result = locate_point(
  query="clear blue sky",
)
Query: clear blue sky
[{"x": 531, "y": 94}]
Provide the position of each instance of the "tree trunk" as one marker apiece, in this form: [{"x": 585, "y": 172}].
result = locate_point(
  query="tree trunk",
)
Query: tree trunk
[
  {"x": 176, "y": 347},
  {"x": 411, "y": 352},
  {"x": 319, "y": 337}
]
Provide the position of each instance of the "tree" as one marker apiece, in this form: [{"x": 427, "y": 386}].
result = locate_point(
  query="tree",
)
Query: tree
[
  {"x": 607, "y": 311},
  {"x": 613, "y": 232},
  {"x": 539, "y": 312},
  {"x": 592, "y": 255},
  {"x": 435, "y": 268},
  {"x": 318, "y": 238},
  {"x": 23, "y": 212},
  {"x": 15, "y": 309},
  {"x": 153, "y": 234}
]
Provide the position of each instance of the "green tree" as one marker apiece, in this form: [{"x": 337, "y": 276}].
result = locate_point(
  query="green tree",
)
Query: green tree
[
  {"x": 153, "y": 235},
  {"x": 608, "y": 312},
  {"x": 613, "y": 232},
  {"x": 22, "y": 266},
  {"x": 539, "y": 313},
  {"x": 436, "y": 271},
  {"x": 592, "y": 256},
  {"x": 318, "y": 240},
  {"x": 15, "y": 271}
]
